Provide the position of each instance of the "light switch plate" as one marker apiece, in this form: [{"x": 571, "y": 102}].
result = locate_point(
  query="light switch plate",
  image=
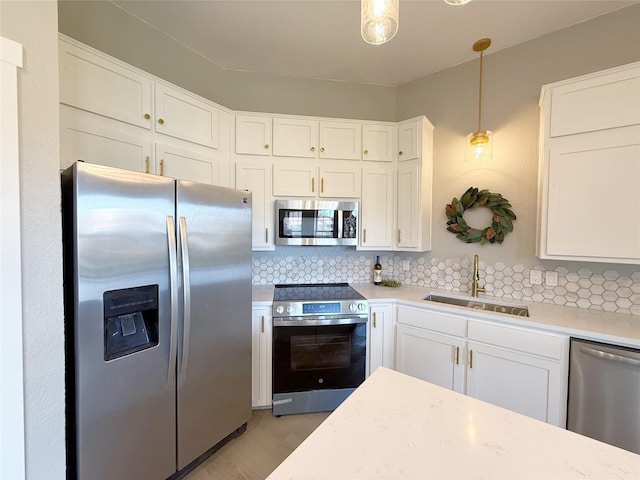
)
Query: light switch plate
[
  {"x": 535, "y": 277},
  {"x": 551, "y": 279},
  {"x": 406, "y": 265}
]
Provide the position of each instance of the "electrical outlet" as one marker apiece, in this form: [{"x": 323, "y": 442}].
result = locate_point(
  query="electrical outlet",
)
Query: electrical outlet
[
  {"x": 406, "y": 265},
  {"x": 535, "y": 277},
  {"x": 551, "y": 279}
]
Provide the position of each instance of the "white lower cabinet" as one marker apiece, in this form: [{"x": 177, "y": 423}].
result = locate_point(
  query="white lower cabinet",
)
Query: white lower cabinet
[
  {"x": 430, "y": 346},
  {"x": 520, "y": 369},
  {"x": 261, "y": 356},
  {"x": 380, "y": 335}
]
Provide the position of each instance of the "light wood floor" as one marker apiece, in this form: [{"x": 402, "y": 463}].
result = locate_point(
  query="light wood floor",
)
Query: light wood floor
[{"x": 258, "y": 451}]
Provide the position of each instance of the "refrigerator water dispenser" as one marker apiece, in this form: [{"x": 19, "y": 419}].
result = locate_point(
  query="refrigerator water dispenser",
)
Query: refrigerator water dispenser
[{"x": 130, "y": 320}]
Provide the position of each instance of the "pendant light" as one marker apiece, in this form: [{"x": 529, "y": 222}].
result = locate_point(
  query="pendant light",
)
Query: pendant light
[
  {"x": 378, "y": 20},
  {"x": 479, "y": 145},
  {"x": 456, "y": 2}
]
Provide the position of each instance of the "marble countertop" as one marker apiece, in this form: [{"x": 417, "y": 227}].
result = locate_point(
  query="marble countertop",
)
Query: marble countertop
[
  {"x": 617, "y": 328},
  {"x": 395, "y": 426}
]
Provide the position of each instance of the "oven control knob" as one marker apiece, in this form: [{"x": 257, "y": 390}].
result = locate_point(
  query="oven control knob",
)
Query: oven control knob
[
  {"x": 353, "y": 307},
  {"x": 280, "y": 309},
  {"x": 362, "y": 307},
  {"x": 289, "y": 309}
]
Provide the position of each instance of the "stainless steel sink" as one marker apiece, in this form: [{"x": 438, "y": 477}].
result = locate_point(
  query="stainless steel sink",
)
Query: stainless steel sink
[{"x": 518, "y": 310}]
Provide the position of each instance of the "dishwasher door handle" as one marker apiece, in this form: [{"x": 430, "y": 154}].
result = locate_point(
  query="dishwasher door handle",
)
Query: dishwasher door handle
[{"x": 610, "y": 356}]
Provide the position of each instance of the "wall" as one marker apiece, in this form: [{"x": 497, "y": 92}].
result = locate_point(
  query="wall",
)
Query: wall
[
  {"x": 34, "y": 25},
  {"x": 109, "y": 29}
]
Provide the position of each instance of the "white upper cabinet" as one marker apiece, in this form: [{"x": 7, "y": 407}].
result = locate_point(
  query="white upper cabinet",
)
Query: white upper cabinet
[
  {"x": 84, "y": 136},
  {"x": 256, "y": 177},
  {"x": 340, "y": 140},
  {"x": 253, "y": 135},
  {"x": 294, "y": 179},
  {"x": 184, "y": 116},
  {"x": 378, "y": 143},
  {"x": 589, "y": 168},
  {"x": 295, "y": 137},
  {"x": 376, "y": 209},
  {"x": 339, "y": 182},
  {"x": 90, "y": 82},
  {"x": 596, "y": 102},
  {"x": 194, "y": 164},
  {"x": 409, "y": 139}
]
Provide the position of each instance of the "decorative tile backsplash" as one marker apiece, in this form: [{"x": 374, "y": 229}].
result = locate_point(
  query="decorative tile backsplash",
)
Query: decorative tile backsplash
[{"x": 609, "y": 291}]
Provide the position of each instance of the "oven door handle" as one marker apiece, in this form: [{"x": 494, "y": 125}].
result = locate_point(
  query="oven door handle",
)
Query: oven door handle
[{"x": 315, "y": 322}]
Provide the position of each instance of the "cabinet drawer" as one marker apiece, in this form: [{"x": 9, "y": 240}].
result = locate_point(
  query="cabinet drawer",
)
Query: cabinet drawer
[
  {"x": 430, "y": 320},
  {"x": 524, "y": 340}
]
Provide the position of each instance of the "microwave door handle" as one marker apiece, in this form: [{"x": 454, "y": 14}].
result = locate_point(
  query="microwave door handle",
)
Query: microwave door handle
[
  {"x": 186, "y": 289},
  {"x": 173, "y": 292},
  {"x": 340, "y": 223}
]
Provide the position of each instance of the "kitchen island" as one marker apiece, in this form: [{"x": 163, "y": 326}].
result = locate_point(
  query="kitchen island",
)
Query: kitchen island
[{"x": 395, "y": 426}]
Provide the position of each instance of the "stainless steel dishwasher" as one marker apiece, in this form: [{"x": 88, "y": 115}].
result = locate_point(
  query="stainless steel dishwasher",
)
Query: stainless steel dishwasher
[{"x": 604, "y": 393}]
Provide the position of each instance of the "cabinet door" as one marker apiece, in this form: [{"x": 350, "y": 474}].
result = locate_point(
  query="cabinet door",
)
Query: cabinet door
[
  {"x": 378, "y": 143},
  {"x": 600, "y": 102},
  {"x": 261, "y": 357},
  {"x": 594, "y": 181},
  {"x": 340, "y": 140},
  {"x": 339, "y": 182},
  {"x": 409, "y": 140},
  {"x": 294, "y": 180},
  {"x": 519, "y": 382},
  {"x": 295, "y": 137},
  {"x": 376, "y": 209},
  {"x": 380, "y": 337},
  {"x": 95, "y": 141},
  {"x": 253, "y": 135},
  {"x": 256, "y": 177},
  {"x": 187, "y": 164},
  {"x": 186, "y": 117},
  {"x": 433, "y": 357},
  {"x": 409, "y": 205},
  {"x": 96, "y": 84}
]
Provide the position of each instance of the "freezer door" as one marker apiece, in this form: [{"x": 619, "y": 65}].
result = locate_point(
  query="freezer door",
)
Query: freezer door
[
  {"x": 118, "y": 323},
  {"x": 214, "y": 348}
]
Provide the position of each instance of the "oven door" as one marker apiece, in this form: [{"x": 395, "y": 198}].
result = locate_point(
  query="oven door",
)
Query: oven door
[{"x": 318, "y": 354}]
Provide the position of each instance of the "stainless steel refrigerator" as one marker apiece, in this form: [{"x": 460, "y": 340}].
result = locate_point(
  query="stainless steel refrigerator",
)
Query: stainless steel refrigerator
[{"x": 158, "y": 321}]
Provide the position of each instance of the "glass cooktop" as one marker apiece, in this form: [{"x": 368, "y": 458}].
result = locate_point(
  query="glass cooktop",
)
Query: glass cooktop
[{"x": 302, "y": 292}]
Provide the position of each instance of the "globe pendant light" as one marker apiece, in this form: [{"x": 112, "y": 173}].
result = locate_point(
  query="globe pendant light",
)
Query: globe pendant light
[
  {"x": 378, "y": 20},
  {"x": 479, "y": 145}
]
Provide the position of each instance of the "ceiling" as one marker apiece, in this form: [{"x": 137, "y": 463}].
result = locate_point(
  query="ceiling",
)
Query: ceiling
[{"x": 321, "y": 38}]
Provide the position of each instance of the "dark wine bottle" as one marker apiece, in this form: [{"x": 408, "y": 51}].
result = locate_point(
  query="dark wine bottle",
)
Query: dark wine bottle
[{"x": 377, "y": 271}]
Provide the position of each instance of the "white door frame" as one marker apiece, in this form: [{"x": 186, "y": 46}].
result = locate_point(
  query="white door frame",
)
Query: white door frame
[{"x": 12, "y": 434}]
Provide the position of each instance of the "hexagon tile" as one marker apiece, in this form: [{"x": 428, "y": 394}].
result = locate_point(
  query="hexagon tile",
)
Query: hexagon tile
[{"x": 609, "y": 291}]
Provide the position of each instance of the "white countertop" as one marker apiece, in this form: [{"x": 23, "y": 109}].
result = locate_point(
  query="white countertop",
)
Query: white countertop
[
  {"x": 617, "y": 328},
  {"x": 398, "y": 427}
]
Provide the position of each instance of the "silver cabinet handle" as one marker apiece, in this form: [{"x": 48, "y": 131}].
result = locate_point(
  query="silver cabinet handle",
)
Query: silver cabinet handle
[
  {"x": 173, "y": 291},
  {"x": 610, "y": 356},
  {"x": 186, "y": 296},
  {"x": 262, "y": 319}
]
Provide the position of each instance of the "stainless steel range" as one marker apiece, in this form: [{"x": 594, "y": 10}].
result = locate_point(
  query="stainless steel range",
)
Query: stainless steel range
[{"x": 319, "y": 346}]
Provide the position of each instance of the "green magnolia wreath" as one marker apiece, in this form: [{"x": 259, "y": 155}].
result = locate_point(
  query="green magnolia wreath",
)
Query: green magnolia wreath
[{"x": 502, "y": 220}]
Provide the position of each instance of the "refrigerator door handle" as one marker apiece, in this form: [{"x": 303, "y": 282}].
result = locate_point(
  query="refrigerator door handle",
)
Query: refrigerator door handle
[
  {"x": 186, "y": 328},
  {"x": 173, "y": 290}
]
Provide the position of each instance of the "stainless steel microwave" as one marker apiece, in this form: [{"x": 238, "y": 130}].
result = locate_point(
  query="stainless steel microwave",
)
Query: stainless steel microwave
[{"x": 316, "y": 222}]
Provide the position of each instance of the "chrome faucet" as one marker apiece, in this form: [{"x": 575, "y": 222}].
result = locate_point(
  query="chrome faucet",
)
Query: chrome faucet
[{"x": 475, "y": 289}]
